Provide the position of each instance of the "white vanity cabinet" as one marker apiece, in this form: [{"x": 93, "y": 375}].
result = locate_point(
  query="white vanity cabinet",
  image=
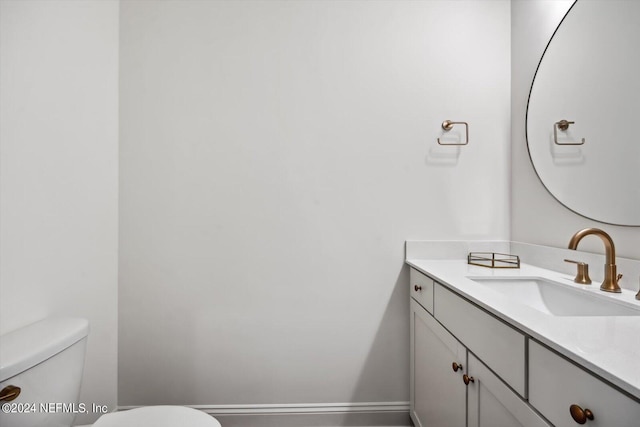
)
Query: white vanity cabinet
[
  {"x": 555, "y": 384},
  {"x": 496, "y": 343},
  {"x": 492, "y": 404},
  {"x": 440, "y": 362},
  {"x": 421, "y": 289},
  {"x": 438, "y": 394}
]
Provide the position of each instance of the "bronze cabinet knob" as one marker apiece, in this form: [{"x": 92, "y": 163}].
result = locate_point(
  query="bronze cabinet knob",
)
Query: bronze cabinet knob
[
  {"x": 456, "y": 366},
  {"x": 9, "y": 393},
  {"x": 580, "y": 415},
  {"x": 467, "y": 379},
  {"x": 417, "y": 288}
]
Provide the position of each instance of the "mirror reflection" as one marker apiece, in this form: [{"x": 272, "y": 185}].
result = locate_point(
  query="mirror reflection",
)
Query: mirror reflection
[{"x": 583, "y": 112}]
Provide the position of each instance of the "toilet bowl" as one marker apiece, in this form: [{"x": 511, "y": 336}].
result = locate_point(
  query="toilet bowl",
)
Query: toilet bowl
[
  {"x": 157, "y": 416},
  {"x": 43, "y": 364}
]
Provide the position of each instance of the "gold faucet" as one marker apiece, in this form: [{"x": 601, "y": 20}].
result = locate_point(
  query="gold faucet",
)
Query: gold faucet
[{"x": 610, "y": 282}]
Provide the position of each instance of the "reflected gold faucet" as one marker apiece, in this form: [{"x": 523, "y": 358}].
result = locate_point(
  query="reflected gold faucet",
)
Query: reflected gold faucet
[{"x": 610, "y": 282}]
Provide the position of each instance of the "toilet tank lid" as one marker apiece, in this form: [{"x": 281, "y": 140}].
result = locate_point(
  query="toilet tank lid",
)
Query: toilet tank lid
[{"x": 27, "y": 346}]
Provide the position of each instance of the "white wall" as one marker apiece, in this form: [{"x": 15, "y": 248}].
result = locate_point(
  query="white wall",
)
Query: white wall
[
  {"x": 535, "y": 215},
  {"x": 59, "y": 166},
  {"x": 274, "y": 158}
]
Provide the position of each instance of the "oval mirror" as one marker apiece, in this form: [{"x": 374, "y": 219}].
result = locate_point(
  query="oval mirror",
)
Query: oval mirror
[{"x": 583, "y": 110}]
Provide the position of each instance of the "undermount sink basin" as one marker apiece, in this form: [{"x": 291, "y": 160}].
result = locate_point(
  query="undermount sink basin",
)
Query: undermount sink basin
[{"x": 558, "y": 299}]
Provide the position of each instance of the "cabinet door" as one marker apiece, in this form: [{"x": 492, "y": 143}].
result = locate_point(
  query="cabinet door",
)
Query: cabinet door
[
  {"x": 556, "y": 384},
  {"x": 438, "y": 394},
  {"x": 421, "y": 289},
  {"x": 493, "y": 404},
  {"x": 495, "y": 342}
]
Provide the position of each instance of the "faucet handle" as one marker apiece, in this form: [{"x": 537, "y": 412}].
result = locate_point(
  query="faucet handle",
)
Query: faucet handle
[{"x": 582, "y": 276}]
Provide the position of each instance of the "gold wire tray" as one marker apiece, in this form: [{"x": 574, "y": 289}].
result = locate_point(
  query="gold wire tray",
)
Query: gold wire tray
[{"x": 493, "y": 260}]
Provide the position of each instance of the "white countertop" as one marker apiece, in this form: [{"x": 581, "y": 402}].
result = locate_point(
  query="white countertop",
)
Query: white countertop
[{"x": 607, "y": 346}]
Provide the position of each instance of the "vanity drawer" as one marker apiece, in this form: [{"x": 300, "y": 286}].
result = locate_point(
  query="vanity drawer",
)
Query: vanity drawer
[
  {"x": 555, "y": 384},
  {"x": 493, "y": 341},
  {"x": 421, "y": 288}
]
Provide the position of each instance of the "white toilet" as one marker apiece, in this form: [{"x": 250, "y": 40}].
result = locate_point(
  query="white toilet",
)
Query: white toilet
[{"x": 44, "y": 363}]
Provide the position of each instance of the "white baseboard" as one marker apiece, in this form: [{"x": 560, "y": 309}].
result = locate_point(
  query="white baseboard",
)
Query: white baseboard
[{"x": 308, "y": 414}]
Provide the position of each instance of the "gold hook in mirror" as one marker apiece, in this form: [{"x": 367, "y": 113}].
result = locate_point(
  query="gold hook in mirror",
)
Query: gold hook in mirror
[{"x": 563, "y": 125}]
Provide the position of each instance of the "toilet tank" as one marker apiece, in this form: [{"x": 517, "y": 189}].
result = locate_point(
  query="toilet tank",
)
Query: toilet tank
[{"x": 45, "y": 360}]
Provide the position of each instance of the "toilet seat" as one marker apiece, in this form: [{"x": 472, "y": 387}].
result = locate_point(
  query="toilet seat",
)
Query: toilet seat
[{"x": 158, "y": 416}]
